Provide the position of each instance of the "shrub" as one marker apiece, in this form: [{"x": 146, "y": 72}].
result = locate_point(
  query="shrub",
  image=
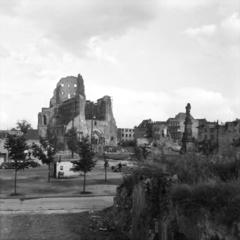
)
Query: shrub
[
  {"x": 192, "y": 169},
  {"x": 222, "y": 200}
]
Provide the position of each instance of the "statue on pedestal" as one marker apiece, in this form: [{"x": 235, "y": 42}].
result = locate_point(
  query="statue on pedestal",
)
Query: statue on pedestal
[{"x": 187, "y": 140}]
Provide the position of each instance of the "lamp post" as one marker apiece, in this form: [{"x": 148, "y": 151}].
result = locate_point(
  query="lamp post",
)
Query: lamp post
[{"x": 105, "y": 159}]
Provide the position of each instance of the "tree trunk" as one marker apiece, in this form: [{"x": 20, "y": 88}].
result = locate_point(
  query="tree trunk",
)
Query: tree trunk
[
  {"x": 105, "y": 173},
  {"x": 15, "y": 182},
  {"x": 84, "y": 182},
  {"x": 49, "y": 172}
]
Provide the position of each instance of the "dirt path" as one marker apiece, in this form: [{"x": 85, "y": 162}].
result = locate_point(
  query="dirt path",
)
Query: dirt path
[{"x": 73, "y": 226}]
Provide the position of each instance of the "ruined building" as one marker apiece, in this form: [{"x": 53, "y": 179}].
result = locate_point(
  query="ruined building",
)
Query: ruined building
[{"x": 69, "y": 107}]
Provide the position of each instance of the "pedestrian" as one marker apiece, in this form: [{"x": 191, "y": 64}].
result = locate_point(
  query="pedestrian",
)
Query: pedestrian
[{"x": 120, "y": 167}]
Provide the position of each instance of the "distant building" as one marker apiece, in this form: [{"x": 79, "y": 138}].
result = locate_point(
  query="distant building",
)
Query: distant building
[
  {"x": 207, "y": 131},
  {"x": 68, "y": 107},
  {"x": 3, "y": 136},
  {"x": 228, "y": 132},
  {"x": 125, "y": 134},
  {"x": 141, "y": 130},
  {"x": 14, "y": 131},
  {"x": 3, "y": 151},
  {"x": 220, "y": 133},
  {"x": 160, "y": 130},
  {"x": 176, "y": 126}
]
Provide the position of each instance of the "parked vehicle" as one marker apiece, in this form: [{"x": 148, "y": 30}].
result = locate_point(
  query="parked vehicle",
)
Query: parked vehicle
[
  {"x": 125, "y": 166},
  {"x": 7, "y": 165}
]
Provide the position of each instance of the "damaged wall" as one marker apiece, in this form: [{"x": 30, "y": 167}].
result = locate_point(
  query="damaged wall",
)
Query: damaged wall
[
  {"x": 68, "y": 106},
  {"x": 146, "y": 212}
]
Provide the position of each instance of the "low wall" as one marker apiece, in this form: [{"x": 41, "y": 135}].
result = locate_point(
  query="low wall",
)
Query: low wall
[{"x": 147, "y": 213}]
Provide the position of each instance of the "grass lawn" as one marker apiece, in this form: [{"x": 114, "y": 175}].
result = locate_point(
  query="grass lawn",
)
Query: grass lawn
[
  {"x": 38, "y": 186},
  {"x": 33, "y": 183}
]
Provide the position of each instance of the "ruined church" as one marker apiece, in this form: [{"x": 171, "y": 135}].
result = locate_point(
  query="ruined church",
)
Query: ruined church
[{"x": 68, "y": 107}]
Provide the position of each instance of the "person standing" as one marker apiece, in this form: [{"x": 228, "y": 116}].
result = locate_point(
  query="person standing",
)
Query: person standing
[{"x": 120, "y": 167}]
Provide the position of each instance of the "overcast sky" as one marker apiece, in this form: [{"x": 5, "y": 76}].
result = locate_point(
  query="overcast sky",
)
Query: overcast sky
[{"x": 151, "y": 56}]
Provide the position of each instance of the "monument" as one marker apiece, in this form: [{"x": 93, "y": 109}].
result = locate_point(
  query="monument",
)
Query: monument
[{"x": 188, "y": 142}]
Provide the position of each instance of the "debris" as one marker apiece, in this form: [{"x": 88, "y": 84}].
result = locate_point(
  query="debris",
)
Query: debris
[{"x": 103, "y": 229}]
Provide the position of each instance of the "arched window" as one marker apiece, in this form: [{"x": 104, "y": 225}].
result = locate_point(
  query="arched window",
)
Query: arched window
[{"x": 44, "y": 120}]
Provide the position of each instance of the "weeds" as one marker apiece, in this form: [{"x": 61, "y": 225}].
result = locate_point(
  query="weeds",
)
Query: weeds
[
  {"x": 221, "y": 199},
  {"x": 192, "y": 169}
]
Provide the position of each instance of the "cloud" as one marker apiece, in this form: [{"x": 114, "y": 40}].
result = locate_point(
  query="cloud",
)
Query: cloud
[
  {"x": 208, "y": 104},
  {"x": 219, "y": 40},
  {"x": 231, "y": 26},
  {"x": 131, "y": 107},
  {"x": 206, "y": 30},
  {"x": 71, "y": 25},
  {"x": 187, "y": 4},
  {"x": 8, "y": 7},
  {"x": 3, "y": 119},
  {"x": 4, "y": 53},
  {"x": 98, "y": 52}
]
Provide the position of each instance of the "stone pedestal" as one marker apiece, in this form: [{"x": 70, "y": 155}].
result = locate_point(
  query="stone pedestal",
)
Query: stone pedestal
[{"x": 190, "y": 146}]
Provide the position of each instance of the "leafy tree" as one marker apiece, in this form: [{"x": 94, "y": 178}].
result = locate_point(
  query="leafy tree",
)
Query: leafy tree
[
  {"x": 23, "y": 125},
  {"x": 208, "y": 147},
  {"x": 47, "y": 151},
  {"x": 18, "y": 150},
  {"x": 60, "y": 146},
  {"x": 86, "y": 162},
  {"x": 72, "y": 140},
  {"x": 236, "y": 142},
  {"x": 149, "y": 130},
  {"x": 141, "y": 153}
]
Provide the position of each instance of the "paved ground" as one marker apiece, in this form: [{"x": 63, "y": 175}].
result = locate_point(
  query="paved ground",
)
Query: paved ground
[
  {"x": 54, "y": 205},
  {"x": 57, "y": 210}
]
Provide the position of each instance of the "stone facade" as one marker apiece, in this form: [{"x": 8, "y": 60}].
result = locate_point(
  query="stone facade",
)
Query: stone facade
[
  {"x": 141, "y": 130},
  {"x": 125, "y": 134},
  {"x": 160, "y": 130},
  {"x": 68, "y": 107},
  {"x": 223, "y": 134}
]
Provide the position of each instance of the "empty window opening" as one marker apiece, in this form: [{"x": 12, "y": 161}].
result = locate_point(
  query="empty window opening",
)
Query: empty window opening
[
  {"x": 75, "y": 85},
  {"x": 95, "y": 123},
  {"x": 122, "y": 135},
  {"x": 68, "y": 85},
  {"x": 126, "y": 135},
  {"x": 62, "y": 84},
  {"x": 61, "y": 167},
  {"x": 69, "y": 95},
  {"x": 111, "y": 138},
  {"x": 44, "y": 120},
  {"x": 129, "y": 135},
  {"x": 74, "y": 94},
  {"x": 62, "y": 93}
]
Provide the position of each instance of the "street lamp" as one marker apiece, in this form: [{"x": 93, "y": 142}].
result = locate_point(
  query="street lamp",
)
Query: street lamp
[{"x": 106, "y": 165}]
